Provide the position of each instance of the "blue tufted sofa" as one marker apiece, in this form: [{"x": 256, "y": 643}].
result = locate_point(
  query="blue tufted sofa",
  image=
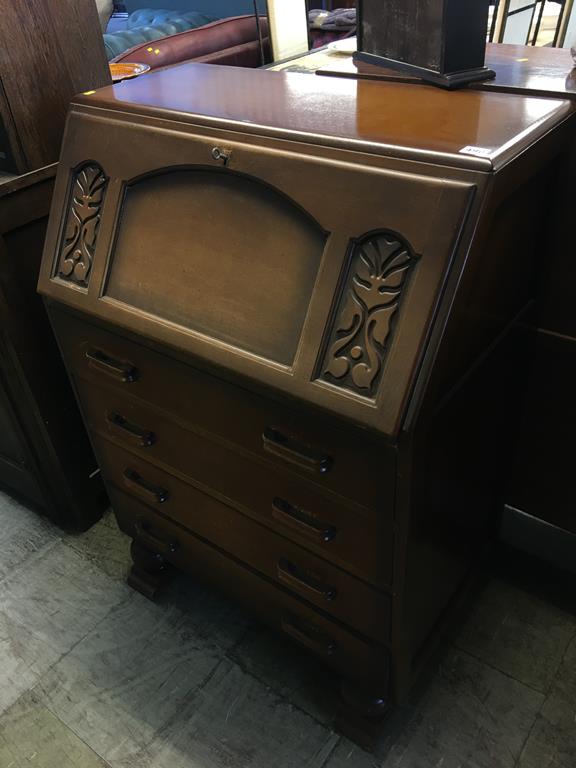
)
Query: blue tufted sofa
[{"x": 148, "y": 24}]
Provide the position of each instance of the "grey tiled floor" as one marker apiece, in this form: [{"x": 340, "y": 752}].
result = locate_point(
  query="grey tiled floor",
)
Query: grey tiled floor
[{"x": 93, "y": 675}]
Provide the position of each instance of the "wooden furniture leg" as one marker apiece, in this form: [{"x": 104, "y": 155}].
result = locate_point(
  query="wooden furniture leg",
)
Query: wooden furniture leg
[
  {"x": 149, "y": 571},
  {"x": 361, "y": 713}
]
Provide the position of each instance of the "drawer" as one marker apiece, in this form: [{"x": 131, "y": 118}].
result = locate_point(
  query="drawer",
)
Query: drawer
[
  {"x": 344, "y": 460},
  {"x": 343, "y": 650},
  {"x": 361, "y": 544},
  {"x": 281, "y": 560}
]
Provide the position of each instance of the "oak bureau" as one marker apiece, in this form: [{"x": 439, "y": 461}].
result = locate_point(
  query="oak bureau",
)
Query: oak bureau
[{"x": 289, "y": 309}]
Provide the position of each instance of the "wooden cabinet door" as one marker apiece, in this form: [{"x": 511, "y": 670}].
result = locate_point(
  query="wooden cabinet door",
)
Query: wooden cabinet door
[{"x": 15, "y": 472}]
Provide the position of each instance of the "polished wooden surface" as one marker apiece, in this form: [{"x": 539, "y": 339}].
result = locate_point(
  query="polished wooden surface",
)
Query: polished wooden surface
[
  {"x": 531, "y": 70},
  {"x": 522, "y": 69},
  {"x": 48, "y": 52},
  {"x": 395, "y": 119}
]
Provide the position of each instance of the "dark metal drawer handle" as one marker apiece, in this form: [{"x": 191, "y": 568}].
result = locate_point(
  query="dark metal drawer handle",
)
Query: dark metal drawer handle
[
  {"x": 302, "y": 520},
  {"x": 295, "y": 577},
  {"x": 150, "y": 492},
  {"x": 309, "y": 635},
  {"x": 295, "y": 452},
  {"x": 143, "y": 437},
  {"x": 124, "y": 372},
  {"x": 145, "y": 536}
]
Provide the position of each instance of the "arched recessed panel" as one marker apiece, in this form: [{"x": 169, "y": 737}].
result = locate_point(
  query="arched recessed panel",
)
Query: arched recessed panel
[{"x": 218, "y": 253}]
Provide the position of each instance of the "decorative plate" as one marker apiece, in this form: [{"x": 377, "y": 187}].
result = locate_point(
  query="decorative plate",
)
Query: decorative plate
[
  {"x": 345, "y": 47},
  {"x": 126, "y": 70}
]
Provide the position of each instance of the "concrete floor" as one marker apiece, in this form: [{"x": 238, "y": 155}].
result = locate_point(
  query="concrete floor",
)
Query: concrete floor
[{"x": 94, "y": 675}]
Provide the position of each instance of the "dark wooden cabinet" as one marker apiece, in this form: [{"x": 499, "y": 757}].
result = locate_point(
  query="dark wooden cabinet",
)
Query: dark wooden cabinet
[
  {"x": 48, "y": 52},
  {"x": 292, "y": 345},
  {"x": 45, "y": 455},
  {"x": 15, "y": 462}
]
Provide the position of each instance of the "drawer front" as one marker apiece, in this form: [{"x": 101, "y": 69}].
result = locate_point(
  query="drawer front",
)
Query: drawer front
[
  {"x": 361, "y": 544},
  {"x": 282, "y": 561},
  {"x": 337, "y": 647},
  {"x": 345, "y": 461}
]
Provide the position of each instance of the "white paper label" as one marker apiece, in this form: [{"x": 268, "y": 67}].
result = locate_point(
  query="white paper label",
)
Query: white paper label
[{"x": 478, "y": 151}]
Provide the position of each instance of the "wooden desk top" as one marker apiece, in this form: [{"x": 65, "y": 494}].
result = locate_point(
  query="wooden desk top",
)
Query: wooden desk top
[{"x": 395, "y": 119}]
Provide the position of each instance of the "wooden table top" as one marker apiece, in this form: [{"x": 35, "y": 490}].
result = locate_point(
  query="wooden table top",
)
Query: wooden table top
[
  {"x": 521, "y": 69},
  {"x": 531, "y": 70},
  {"x": 468, "y": 128}
]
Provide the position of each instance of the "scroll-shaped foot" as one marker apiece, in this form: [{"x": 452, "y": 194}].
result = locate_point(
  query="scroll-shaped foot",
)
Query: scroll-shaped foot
[{"x": 149, "y": 571}]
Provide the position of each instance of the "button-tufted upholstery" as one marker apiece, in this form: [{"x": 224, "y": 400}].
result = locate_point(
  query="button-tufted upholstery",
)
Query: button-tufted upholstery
[
  {"x": 233, "y": 41},
  {"x": 151, "y": 17},
  {"x": 148, "y": 24}
]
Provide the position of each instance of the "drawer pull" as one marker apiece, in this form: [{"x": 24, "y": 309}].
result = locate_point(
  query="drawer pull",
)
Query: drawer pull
[
  {"x": 296, "y": 578},
  {"x": 145, "y": 536},
  {"x": 100, "y": 361},
  {"x": 302, "y": 520},
  {"x": 143, "y": 437},
  {"x": 309, "y": 635},
  {"x": 276, "y": 443},
  {"x": 148, "y": 491}
]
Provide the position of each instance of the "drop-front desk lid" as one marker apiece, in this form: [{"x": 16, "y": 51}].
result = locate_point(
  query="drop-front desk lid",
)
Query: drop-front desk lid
[
  {"x": 298, "y": 231},
  {"x": 403, "y": 120}
]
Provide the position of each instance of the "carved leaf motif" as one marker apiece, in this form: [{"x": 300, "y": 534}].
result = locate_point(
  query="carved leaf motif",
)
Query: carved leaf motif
[
  {"x": 81, "y": 232},
  {"x": 382, "y": 318},
  {"x": 351, "y": 319},
  {"x": 379, "y": 268}
]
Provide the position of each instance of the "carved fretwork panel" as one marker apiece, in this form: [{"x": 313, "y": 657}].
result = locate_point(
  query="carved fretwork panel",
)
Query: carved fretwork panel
[
  {"x": 82, "y": 223},
  {"x": 378, "y": 270}
]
